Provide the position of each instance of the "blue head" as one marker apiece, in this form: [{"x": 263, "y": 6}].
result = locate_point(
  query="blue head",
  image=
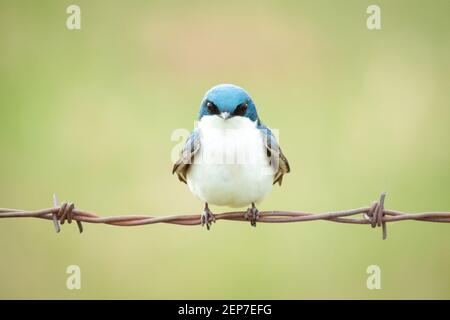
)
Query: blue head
[{"x": 227, "y": 101}]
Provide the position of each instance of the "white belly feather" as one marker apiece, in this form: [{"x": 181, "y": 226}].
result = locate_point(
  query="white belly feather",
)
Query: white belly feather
[{"x": 231, "y": 168}]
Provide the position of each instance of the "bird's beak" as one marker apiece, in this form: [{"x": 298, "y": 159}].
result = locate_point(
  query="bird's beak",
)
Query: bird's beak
[{"x": 225, "y": 115}]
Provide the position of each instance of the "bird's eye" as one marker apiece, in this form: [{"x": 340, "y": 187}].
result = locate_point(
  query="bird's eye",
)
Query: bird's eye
[
  {"x": 240, "y": 109},
  {"x": 212, "y": 108}
]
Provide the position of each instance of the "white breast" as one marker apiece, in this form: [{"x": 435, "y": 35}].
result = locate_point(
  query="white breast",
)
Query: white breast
[{"x": 231, "y": 167}]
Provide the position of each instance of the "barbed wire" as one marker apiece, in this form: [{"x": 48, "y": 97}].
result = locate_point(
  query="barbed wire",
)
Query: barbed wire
[{"x": 375, "y": 215}]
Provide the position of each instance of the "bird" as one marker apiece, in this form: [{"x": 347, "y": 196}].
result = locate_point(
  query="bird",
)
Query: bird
[{"x": 230, "y": 158}]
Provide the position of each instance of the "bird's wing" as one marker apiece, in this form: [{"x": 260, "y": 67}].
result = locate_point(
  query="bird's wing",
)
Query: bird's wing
[
  {"x": 190, "y": 148},
  {"x": 276, "y": 157}
]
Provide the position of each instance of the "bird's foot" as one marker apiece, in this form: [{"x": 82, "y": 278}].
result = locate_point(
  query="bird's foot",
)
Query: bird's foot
[
  {"x": 252, "y": 214},
  {"x": 207, "y": 217}
]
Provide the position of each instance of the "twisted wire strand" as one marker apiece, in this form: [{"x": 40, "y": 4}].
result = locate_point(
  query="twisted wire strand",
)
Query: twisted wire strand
[{"x": 375, "y": 215}]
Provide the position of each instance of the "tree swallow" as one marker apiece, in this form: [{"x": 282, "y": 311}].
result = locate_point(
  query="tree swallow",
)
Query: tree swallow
[{"x": 231, "y": 158}]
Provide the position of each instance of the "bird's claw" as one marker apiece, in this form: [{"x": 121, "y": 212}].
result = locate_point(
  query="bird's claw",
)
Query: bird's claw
[
  {"x": 206, "y": 218},
  {"x": 252, "y": 214}
]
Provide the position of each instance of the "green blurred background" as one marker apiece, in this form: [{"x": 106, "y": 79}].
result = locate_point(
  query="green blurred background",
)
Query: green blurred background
[{"x": 89, "y": 114}]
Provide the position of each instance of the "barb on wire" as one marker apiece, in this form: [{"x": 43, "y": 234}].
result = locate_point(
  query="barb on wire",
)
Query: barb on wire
[
  {"x": 64, "y": 213},
  {"x": 375, "y": 215}
]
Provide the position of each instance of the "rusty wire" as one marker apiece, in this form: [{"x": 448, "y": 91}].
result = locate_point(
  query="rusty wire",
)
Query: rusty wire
[{"x": 375, "y": 215}]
